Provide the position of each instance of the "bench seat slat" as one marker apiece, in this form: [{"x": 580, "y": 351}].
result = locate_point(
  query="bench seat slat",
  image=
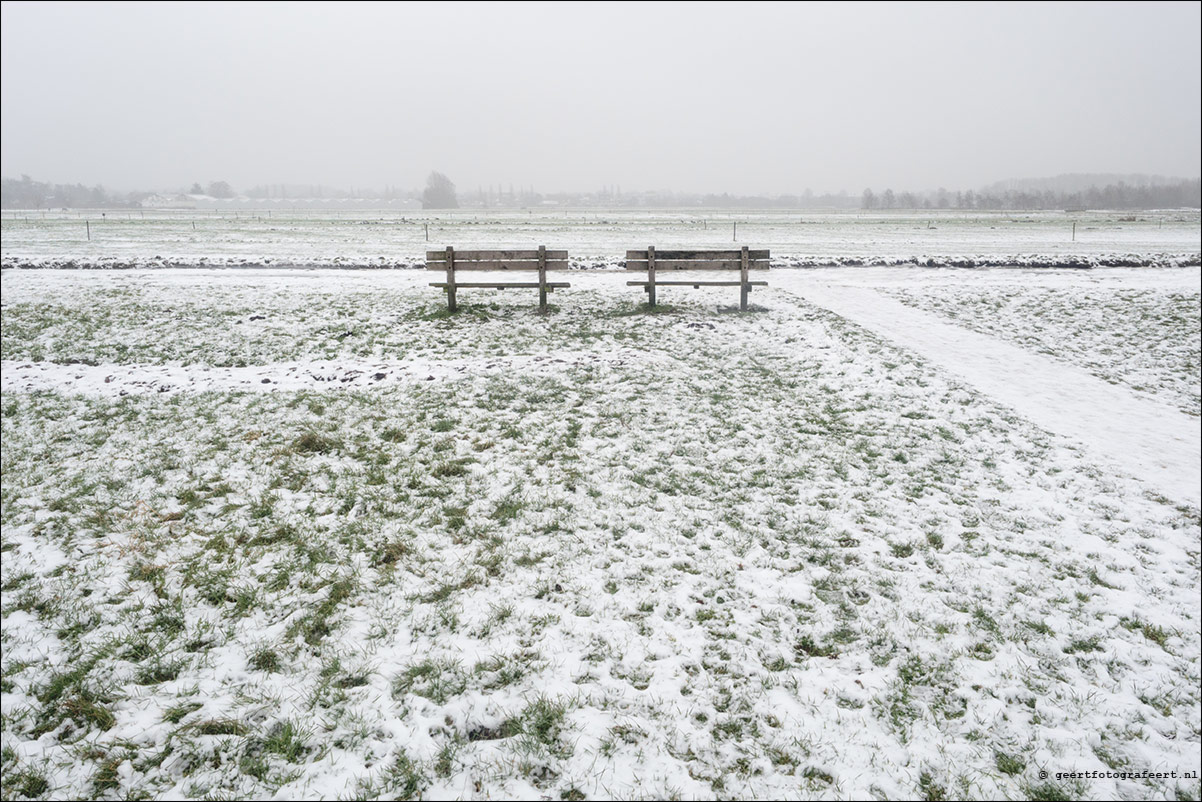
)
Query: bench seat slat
[
  {"x": 682, "y": 264},
  {"x": 493, "y": 256},
  {"x": 695, "y": 254},
  {"x": 496, "y": 265},
  {"x": 501, "y": 285},
  {"x": 696, "y": 283}
]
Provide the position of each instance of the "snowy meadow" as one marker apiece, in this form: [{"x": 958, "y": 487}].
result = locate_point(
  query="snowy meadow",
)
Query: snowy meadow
[{"x": 300, "y": 533}]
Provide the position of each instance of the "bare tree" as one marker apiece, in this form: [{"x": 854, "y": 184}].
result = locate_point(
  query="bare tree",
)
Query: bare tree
[{"x": 439, "y": 193}]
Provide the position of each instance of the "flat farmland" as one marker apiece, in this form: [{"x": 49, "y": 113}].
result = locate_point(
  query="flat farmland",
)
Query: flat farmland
[
  {"x": 301, "y": 533},
  {"x": 594, "y": 238}
]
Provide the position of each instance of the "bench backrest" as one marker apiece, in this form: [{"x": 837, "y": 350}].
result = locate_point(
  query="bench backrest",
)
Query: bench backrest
[
  {"x": 696, "y": 260},
  {"x": 494, "y": 260}
]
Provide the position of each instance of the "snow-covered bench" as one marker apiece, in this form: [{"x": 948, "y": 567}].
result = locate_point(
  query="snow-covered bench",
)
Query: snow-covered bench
[
  {"x": 652, "y": 261},
  {"x": 541, "y": 260}
]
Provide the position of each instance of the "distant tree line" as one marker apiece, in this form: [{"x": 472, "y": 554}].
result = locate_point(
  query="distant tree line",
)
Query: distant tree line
[
  {"x": 25, "y": 193},
  {"x": 652, "y": 199},
  {"x": 305, "y": 191},
  {"x": 1170, "y": 195},
  {"x": 440, "y": 193}
]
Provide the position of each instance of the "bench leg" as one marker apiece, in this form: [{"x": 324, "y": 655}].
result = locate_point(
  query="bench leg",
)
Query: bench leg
[
  {"x": 542, "y": 278},
  {"x": 651, "y": 277},
  {"x": 744, "y": 284}
]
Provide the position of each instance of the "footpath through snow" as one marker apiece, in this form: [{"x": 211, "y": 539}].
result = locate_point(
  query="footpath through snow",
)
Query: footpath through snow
[{"x": 1140, "y": 436}]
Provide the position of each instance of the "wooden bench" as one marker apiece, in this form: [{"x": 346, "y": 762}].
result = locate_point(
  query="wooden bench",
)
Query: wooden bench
[
  {"x": 653, "y": 261},
  {"x": 453, "y": 261}
]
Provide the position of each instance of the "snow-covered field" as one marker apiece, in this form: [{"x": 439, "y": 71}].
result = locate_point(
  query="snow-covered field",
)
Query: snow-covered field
[
  {"x": 596, "y": 238},
  {"x": 301, "y": 534}
]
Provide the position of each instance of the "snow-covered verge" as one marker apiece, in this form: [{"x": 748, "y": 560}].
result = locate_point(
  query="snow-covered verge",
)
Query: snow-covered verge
[
  {"x": 1079, "y": 261},
  {"x": 1146, "y": 339},
  {"x": 139, "y": 262},
  {"x": 601, "y": 553}
]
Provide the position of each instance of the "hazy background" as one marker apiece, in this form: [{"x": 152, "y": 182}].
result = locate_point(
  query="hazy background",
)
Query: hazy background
[{"x": 739, "y": 98}]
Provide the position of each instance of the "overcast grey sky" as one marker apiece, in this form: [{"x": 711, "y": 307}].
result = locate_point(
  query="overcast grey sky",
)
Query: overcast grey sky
[{"x": 743, "y": 98}]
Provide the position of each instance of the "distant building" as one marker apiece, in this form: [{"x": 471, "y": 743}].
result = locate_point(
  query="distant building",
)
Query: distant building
[{"x": 168, "y": 202}]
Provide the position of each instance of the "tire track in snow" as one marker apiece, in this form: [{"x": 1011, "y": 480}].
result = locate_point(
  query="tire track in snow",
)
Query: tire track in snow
[{"x": 1139, "y": 435}]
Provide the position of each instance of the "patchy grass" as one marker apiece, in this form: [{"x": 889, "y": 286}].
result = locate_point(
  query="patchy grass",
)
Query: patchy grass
[{"x": 733, "y": 555}]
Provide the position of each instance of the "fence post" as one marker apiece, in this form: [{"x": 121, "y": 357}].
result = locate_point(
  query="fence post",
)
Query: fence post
[
  {"x": 743, "y": 279},
  {"x": 651, "y": 275},
  {"x": 451, "y": 306}
]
